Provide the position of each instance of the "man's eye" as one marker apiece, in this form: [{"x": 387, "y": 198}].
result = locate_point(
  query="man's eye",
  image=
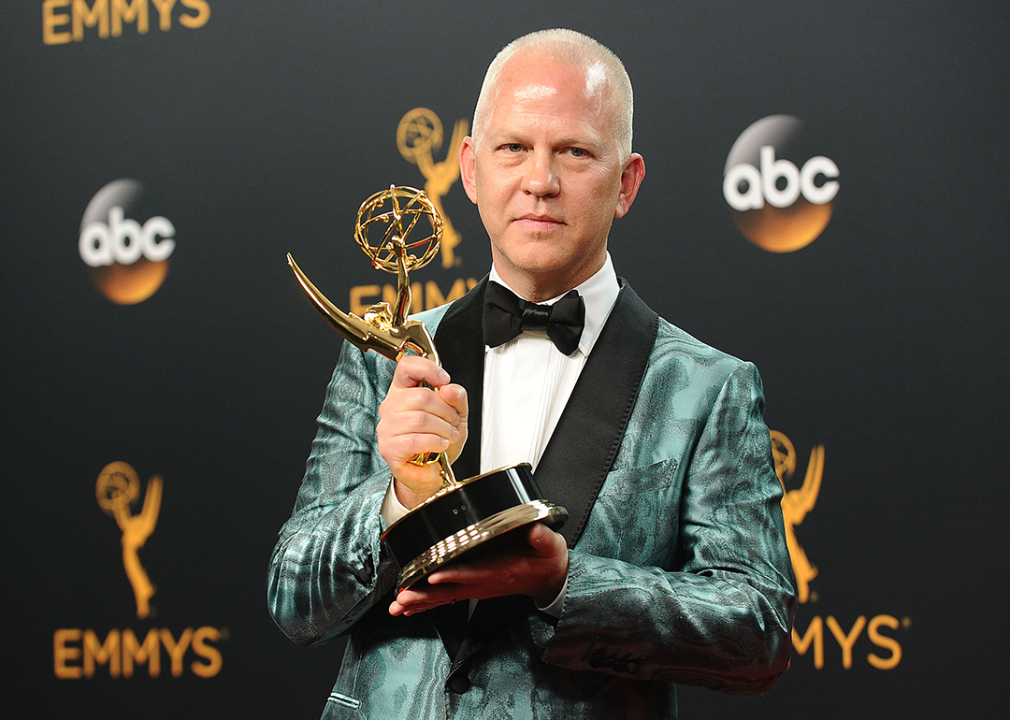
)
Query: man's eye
[
  {"x": 577, "y": 152},
  {"x": 512, "y": 147}
]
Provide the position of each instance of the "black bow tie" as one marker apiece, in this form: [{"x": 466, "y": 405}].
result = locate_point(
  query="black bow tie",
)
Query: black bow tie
[{"x": 506, "y": 316}]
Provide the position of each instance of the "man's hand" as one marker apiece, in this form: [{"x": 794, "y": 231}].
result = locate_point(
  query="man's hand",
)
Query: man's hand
[
  {"x": 414, "y": 419},
  {"x": 538, "y": 569}
]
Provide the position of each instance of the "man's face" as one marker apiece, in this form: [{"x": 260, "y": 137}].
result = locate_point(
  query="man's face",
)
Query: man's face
[{"x": 547, "y": 177}]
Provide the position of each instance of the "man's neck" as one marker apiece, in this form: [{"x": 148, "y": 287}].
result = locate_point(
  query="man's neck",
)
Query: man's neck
[{"x": 538, "y": 288}]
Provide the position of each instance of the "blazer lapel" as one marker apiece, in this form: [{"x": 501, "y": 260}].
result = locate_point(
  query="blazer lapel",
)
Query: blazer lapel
[
  {"x": 459, "y": 340},
  {"x": 581, "y": 450},
  {"x": 589, "y": 433}
]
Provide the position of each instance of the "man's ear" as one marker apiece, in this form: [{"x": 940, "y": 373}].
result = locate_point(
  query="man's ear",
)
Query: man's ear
[
  {"x": 631, "y": 179},
  {"x": 468, "y": 168}
]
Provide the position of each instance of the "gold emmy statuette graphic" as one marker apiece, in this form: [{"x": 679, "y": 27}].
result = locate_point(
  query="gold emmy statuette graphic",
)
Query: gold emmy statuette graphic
[
  {"x": 461, "y": 516},
  {"x": 797, "y": 503},
  {"x": 118, "y": 486},
  {"x": 420, "y": 131}
]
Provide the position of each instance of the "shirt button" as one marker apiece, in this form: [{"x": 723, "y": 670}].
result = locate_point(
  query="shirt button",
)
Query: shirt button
[{"x": 459, "y": 684}]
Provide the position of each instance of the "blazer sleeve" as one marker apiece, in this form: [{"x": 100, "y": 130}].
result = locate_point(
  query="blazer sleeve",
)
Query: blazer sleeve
[
  {"x": 328, "y": 567},
  {"x": 719, "y": 611}
]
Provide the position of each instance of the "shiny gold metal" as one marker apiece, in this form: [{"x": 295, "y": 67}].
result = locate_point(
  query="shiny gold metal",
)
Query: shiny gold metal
[
  {"x": 394, "y": 214},
  {"x": 475, "y": 535}
]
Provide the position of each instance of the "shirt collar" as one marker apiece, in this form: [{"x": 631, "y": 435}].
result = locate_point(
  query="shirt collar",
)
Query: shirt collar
[{"x": 599, "y": 293}]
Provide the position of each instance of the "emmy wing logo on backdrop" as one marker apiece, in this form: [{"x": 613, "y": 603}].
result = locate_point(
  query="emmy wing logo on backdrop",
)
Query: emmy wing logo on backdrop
[
  {"x": 797, "y": 505},
  {"x": 780, "y": 195},
  {"x": 127, "y": 259},
  {"x": 118, "y": 486},
  {"x": 418, "y": 136},
  {"x": 78, "y": 653}
]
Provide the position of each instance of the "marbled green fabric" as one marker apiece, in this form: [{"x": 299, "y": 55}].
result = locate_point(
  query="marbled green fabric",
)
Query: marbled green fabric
[{"x": 680, "y": 575}]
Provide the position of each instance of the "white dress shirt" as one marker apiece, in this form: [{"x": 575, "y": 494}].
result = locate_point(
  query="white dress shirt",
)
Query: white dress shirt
[{"x": 527, "y": 381}]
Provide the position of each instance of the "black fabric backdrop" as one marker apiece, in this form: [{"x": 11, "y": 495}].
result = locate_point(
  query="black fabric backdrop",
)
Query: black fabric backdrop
[{"x": 260, "y": 130}]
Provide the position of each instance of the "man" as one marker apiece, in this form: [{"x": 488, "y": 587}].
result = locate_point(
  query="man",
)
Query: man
[{"x": 672, "y": 567}]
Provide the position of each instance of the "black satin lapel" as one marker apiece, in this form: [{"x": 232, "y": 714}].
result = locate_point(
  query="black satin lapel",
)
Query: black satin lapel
[
  {"x": 460, "y": 343},
  {"x": 589, "y": 433},
  {"x": 581, "y": 449},
  {"x": 459, "y": 340},
  {"x": 489, "y": 618},
  {"x": 451, "y": 625}
]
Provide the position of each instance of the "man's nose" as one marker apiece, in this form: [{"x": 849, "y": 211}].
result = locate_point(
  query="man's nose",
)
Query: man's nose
[{"x": 541, "y": 177}]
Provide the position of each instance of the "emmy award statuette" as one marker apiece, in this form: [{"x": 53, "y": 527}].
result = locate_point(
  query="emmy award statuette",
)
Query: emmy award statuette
[{"x": 461, "y": 517}]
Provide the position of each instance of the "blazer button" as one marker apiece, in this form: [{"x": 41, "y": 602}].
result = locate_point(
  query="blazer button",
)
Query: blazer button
[{"x": 459, "y": 684}]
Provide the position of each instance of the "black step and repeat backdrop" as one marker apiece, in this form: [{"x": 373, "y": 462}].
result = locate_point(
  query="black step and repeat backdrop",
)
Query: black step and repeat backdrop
[{"x": 826, "y": 196}]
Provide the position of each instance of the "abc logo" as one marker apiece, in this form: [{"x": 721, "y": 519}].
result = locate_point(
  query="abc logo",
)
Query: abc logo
[
  {"x": 127, "y": 259},
  {"x": 779, "y": 193}
]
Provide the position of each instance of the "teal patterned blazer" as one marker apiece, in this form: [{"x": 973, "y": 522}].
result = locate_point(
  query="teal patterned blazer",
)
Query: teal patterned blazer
[{"x": 679, "y": 571}]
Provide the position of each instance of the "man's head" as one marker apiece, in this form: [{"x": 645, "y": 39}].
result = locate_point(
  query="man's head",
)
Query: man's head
[
  {"x": 571, "y": 48},
  {"x": 550, "y": 164}
]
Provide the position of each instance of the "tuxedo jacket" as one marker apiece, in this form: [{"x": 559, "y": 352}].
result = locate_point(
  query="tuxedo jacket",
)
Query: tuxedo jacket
[{"x": 678, "y": 567}]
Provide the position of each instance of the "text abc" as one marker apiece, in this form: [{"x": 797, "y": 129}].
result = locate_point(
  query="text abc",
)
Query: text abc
[
  {"x": 762, "y": 185},
  {"x": 124, "y": 241}
]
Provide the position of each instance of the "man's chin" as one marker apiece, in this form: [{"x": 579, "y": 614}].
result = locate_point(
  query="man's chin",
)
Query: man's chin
[{"x": 544, "y": 280}]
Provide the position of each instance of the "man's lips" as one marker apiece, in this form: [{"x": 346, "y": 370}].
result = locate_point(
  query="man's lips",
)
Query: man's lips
[{"x": 539, "y": 222}]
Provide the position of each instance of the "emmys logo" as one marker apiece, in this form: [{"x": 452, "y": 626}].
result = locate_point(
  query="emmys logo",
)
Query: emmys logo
[
  {"x": 118, "y": 487},
  {"x": 65, "y": 20},
  {"x": 778, "y": 204},
  {"x": 127, "y": 260},
  {"x": 796, "y": 504},
  {"x": 418, "y": 135},
  {"x": 77, "y": 653},
  {"x": 420, "y": 132}
]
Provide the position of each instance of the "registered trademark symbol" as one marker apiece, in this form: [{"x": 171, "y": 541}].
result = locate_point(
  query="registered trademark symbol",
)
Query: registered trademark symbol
[
  {"x": 906, "y": 622},
  {"x": 815, "y": 596}
]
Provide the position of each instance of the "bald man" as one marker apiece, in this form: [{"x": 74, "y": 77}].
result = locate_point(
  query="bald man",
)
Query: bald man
[{"x": 673, "y": 566}]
